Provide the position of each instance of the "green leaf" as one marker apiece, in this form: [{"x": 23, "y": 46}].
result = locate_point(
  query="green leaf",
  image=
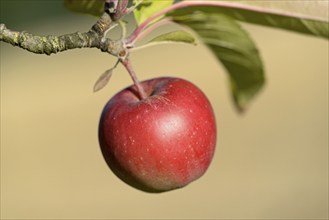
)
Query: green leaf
[
  {"x": 308, "y": 17},
  {"x": 92, "y": 7},
  {"x": 214, "y": 22},
  {"x": 149, "y": 7},
  {"x": 314, "y": 8},
  {"x": 234, "y": 48},
  {"x": 175, "y": 36}
]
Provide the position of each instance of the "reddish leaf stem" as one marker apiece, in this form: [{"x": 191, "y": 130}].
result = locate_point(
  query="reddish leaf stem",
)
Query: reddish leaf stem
[{"x": 151, "y": 28}]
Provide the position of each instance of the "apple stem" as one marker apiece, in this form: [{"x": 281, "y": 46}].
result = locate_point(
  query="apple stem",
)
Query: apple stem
[{"x": 127, "y": 64}]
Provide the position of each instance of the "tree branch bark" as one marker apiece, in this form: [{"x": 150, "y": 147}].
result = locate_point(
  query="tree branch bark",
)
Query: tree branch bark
[{"x": 94, "y": 38}]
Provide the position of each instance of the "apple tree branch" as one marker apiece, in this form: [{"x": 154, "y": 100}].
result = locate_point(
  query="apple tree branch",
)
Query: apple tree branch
[{"x": 94, "y": 38}]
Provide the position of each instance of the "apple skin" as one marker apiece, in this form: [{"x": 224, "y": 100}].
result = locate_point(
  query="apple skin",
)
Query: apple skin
[{"x": 160, "y": 143}]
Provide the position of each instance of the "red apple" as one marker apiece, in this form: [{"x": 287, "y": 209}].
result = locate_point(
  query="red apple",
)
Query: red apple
[{"x": 162, "y": 142}]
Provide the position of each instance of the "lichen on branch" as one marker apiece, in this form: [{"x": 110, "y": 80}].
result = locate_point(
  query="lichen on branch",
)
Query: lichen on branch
[{"x": 94, "y": 38}]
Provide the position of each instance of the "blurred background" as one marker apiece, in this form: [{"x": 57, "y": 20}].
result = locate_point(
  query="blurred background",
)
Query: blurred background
[{"x": 271, "y": 162}]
